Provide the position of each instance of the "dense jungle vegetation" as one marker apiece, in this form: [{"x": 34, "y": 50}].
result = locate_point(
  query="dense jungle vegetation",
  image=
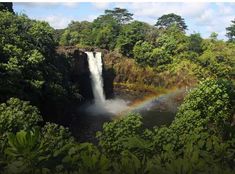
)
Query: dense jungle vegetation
[{"x": 36, "y": 86}]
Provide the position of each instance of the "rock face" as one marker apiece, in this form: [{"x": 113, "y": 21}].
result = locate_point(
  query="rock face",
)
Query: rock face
[
  {"x": 108, "y": 76},
  {"x": 80, "y": 73}
]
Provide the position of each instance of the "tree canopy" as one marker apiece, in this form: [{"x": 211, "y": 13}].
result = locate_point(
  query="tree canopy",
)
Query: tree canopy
[
  {"x": 231, "y": 31},
  {"x": 120, "y": 14},
  {"x": 29, "y": 67},
  {"x": 129, "y": 35},
  {"x": 168, "y": 20},
  {"x": 6, "y": 6}
]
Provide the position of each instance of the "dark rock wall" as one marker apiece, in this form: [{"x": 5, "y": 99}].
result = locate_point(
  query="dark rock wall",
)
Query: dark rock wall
[
  {"x": 80, "y": 73},
  {"x": 108, "y": 77}
]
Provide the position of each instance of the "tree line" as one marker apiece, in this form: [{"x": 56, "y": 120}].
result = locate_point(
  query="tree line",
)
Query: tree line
[{"x": 155, "y": 46}]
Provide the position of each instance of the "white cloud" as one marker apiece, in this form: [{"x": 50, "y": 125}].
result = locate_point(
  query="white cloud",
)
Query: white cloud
[
  {"x": 36, "y": 4},
  {"x": 204, "y": 17},
  {"x": 90, "y": 18},
  {"x": 101, "y": 5},
  {"x": 216, "y": 19},
  {"x": 71, "y": 4},
  {"x": 56, "y": 21},
  {"x": 156, "y": 9},
  {"x": 60, "y": 22},
  {"x": 47, "y": 4}
]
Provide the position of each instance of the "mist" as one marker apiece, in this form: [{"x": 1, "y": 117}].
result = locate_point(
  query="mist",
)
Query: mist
[{"x": 112, "y": 106}]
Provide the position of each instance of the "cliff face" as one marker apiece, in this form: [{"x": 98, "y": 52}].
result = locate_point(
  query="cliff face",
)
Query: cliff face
[{"x": 80, "y": 73}]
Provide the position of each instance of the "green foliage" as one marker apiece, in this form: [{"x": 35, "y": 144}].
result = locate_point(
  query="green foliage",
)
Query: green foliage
[
  {"x": 231, "y": 31},
  {"x": 179, "y": 73},
  {"x": 128, "y": 164},
  {"x": 55, "y": 137},
  {"x": 173, "y": 41},
  {"x": 85, "y": 158},
  {"x": 69, "y": 38},
  {"x": 214, "y": 36},
  {"x": 20, "y": 56},
  {"x": 36, "y": 152},
  {"x": 29, "y": 67},
  {"x": 192, "y": 161},
  {"x": 114, "y": 133},
  {"x": 105, "y": 31},
  {"x": 25, "y": 152},
  {"x": 208, "y": 109},
  {"x": 142, "y": 53},
  {"x": 18, "y": 115},
  {"x": 105, "y": 37},
  {"x": 129, "y": 35},
  {"x": 170, "y": 43},
  {"x": 168, "y": 20},
  {"x": 160, "y": 48},
  {"x": 6, "y": 6},
  {"x": 200, "y": 140},
  {"x": 77, "y": 32},
  {"x": 42, "y": 34},
  {"x": 195, "y": 42},
  {"x": 218, "y": 57},
  {"x": 120, "y": 14},
  {"x": 159, "y": 57}
]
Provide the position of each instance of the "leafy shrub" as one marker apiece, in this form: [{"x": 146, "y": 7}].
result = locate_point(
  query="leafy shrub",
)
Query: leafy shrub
[
  {"x": 114, "y": 133},
  {"x": 25, "y": 152},
  {"x": 208, "y": 107},
  {"x": 142, "y": 53},
  {"x": 86, "y": 158},
  {"x": 17, "y": 115},
  {"x": 55, "y": 137}
]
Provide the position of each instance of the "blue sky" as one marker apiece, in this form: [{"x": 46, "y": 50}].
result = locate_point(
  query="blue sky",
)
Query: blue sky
[{"x": 200, "y": 17}]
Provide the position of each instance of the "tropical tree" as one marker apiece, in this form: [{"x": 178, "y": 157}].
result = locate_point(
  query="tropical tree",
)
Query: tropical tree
[
  {"x": 168, "y": 20},
  {"x": 231, "y": 31},
  {"x": 105, "y": 31},
  {"x": 29, "y": 67},
  {"x": 204, "y": 115},
  {"x": 114, "y": 133},
  {"x": 6, "y": 6},
  {"x": 129, "y": 35},
  {"x": 69, "y": 38},
  {"x": 214, "y": 36},
  {"x": 120, "y": 14},
  {"x": 77, "y": 33},
  {"x": 17, "y": 115},
  {"x": 195, "y": 43},
  {"x": 142, "y": 53}
]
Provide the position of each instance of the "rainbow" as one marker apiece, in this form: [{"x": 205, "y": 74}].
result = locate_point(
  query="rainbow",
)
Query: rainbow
[{"x": 147, "y": 102}]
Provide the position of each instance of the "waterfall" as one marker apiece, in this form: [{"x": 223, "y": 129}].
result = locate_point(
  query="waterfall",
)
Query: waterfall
[
  {"x": 95, "y": 67},
  {"x": 101, "y": 105}
]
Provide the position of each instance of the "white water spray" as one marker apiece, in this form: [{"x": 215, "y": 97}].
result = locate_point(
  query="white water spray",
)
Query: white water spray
[
  {"x": 95, "y": 66},
  {"x": 101, "y": 105}
]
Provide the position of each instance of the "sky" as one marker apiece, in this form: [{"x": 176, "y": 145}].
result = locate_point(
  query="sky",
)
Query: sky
[{"x": 204, "y": 18}]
